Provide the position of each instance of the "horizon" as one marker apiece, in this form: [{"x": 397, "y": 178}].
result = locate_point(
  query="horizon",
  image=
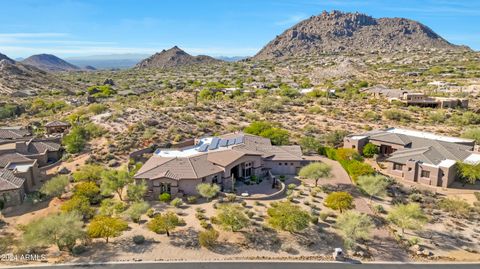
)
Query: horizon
[{"x": 82, "y": 28}]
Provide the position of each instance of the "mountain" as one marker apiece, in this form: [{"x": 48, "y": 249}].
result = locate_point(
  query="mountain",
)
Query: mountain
[
  {"x": 231, "y": 58},
  {"x": 48, "y": 62},
  {"x": 5, "y": 58},
  {"x": 18, "y": 79},
  {"x": 112, "y": 61},
  {"x": 336, "y": 31},
  {"x": 174, "y": 57}
]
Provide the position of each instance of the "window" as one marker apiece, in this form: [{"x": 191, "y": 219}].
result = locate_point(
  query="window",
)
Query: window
[
  {"x": 397, "y": 166},
  {"x": 353, "y": 146},
  {"x": 425, "y": 174}
]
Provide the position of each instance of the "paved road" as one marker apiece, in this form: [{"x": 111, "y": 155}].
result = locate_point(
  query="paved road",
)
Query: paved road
[{"x": 263, "y": 265}]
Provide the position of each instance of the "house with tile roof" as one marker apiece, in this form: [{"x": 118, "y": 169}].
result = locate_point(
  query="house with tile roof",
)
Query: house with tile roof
[
  {"x": 218, "y": 160},
  {"x": 417, "y": 156},
  {"x": 23, "y": 159}
]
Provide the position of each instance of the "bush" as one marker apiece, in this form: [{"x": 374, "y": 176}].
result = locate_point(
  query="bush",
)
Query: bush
[
  {"x": 192, "y": 199},
  {"x": 231, "y": 197},
  {"x": 291, "y": 186},
  {"x": 323, "y": 216},
  {"x": 314, "y": 219},
  {"x": 356, "y": 168},
  {"x": 138, "y": 239},
  {"x": 177, "y": 202},
  {"x": 339, "y": 201},
  {"x": 207, "y": 190},
  {"x": 165, "y": 197},
  {"x": 78, "y": 249},
  {"x": 204, "y": 224},
  {"x": 55, "y": 186},
  {"x": 208, "y": 238},
  {"x": 370, "y": 150},
  {"x": 455, "y": 206},
  {"x": 278, "y": 136}
]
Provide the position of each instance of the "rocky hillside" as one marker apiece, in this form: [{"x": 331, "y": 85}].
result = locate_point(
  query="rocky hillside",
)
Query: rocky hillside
[
  {"x": 51, "y": 63},
  {"x": 352, "y": 32},
  {"x": 174, "y": 57},
  {"x": 18, "y": 79}
]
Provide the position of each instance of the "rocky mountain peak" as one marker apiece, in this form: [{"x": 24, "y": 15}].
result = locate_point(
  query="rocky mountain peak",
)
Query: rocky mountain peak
[{"x": 174, "y": 57}]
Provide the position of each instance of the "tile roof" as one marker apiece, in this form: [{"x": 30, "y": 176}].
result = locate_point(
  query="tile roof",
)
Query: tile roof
[
  {"x": 8, "y": 180},
  {"x": 5, "y": 159},
  {"x": 11, "y": 134},
  {"x": 57, "y": 123}
]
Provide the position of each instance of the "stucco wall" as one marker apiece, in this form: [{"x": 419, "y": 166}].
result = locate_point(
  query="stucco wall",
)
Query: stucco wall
[{"x": 283, "y": 167}]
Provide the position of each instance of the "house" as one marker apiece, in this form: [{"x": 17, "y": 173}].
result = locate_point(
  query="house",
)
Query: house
[
  {"x": 57, "y": 127},
  {"x": 417, "y": 156},
  {"x": 13, "y": 133},
  {"x": 218, "y": 160},
  {"x": 415, "y": 98},
  {"x": 21, "y": 162}
]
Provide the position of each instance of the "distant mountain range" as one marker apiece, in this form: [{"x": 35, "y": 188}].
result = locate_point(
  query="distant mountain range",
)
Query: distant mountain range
[
  {"x": 336, "y": 31},
  {"x": 174, "y": 57}
]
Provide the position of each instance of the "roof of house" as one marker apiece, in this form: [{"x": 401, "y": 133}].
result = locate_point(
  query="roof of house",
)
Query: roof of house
[
  {"x": 38, "y": 147},
  {"x": 385, "y": 91},
  {"x": 8, "y": 180},
  {"x": 211, "y": 154},
  {"x": 57, "y": 123},
  {"x": 11, "y": 134},
  {"x": 8, "y": 158},
  {"x": 425, "y": 147}
]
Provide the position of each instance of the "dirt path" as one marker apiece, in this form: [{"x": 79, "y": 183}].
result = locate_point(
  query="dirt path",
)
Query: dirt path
[{"x": 384, "y": 246}]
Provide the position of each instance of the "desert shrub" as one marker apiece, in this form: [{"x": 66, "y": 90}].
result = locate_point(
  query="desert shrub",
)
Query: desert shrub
[
  {"x": 455, "y": 206},
  {"x": 472, "y": 133},
  {"x": 230, "y": 197},
  {"x": 136, "y": 210},
  {"x": 277, "y": 135},
  {"x": 177, "y": 202},
  {"x": 207, "y": 190},
  {"x": 138, "y": 239},
  {"x": 192, "y": 199},
  {"x": 78, "y": 249},
  {"x": 409, "y": 216},
  {"x": 88, "y": 172},
  {"x": 164, "y": 197},
  {"x": 354, "y": 226},
  {"x": 106, "y": 227},
  {"x": 396, "y": 115},
  {"x": 356, "y": 168},
  {"x": 288, "y": 217},
  {"x": 208, "y": 238},
  {"x": 55, "y": 187},
  {"x": 88, "y": 189},
  {"x": 369, "y": 150},
  {"x": 164, "y": 223},
  {"x": 79, "y": 205},
  {"x": 231, "y": 217}
]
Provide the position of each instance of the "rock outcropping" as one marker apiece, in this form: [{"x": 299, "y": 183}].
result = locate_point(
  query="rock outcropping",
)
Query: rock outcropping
[{"x": 336, "y": 31}]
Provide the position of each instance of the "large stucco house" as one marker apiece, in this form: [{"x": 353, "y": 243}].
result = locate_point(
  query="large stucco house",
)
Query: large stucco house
[
  {"x": 417, "y": 156},
  {"x": 219, "y": 160},
  {"x": 22, "y": 158}
]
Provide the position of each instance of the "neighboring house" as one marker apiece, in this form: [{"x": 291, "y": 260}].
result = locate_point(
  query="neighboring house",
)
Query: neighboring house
[
  {"x": 11, "y": 188},
  {"x": 13, "y": 133},
  {"x": 415, "y": 98},
  {"x": 20, "y": 159},
  {"x": 417, "y": 156},
  {"x": 218, "y": 160},
  {"x": 57, "y": 127}
]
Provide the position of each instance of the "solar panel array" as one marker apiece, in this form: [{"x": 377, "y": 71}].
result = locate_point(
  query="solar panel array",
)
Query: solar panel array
[{"x": 218, "y": 142}]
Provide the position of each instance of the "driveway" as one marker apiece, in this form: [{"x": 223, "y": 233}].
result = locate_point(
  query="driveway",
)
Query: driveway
[{"x": 384, "y": 246}]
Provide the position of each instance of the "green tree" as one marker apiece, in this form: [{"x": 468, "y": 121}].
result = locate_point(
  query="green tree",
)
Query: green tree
[
  {"x": 369, "y": 150},
  {"x": 88, "y": 189},
  {"x": 88, "y": 172},
  {"x": 207, "y": 190},
  {"x": 62, "y": 229},
  {"x": 354, "y": 226},
  {"x": 136, "y": 210},
  {"x": 80, "y": 205},
  {"x": 106, "y": 227},
  {"x": 75, "y": 140},
  {"x": 335, "y": 138},
  {"x": 340, "y": 201},
  {"x": 136, "y": 192},
  {"x": 470, "y": 173},
  {"x": 164, "y": 223},
  {"x": 288, "y": 217},
  {"x": 115, "y": 181},
  {"x": 55, "y": 187},
  {"x": 316, "y": 171},
  {"x": 409, "y": 216},
  {"x": 278, "y": 136},
  {"x": 310, "y": 144},
  {"x": 231, "y": 217},
  {"x": 373, "y": 185},
  {"x": 112, "y": 207}
]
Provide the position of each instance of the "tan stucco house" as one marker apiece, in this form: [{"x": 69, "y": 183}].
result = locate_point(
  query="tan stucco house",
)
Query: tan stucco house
[
  {"x": 21, "y": 163},
  {"x": 218, "y": 160},
  {"x": 417, "y": 156}
]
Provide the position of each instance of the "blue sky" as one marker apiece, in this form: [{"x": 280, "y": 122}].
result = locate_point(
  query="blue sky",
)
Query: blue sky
[{"x": 214, "y": 27}]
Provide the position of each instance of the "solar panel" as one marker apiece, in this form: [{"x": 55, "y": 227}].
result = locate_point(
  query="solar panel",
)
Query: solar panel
[
  {"x": 203, "y": 148},
  {"x": 239, "y": 140},
  {"x": 231, "y": 141},
  {"x": 214, "y": 143},
  {"x": 223, "y": 143}
]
